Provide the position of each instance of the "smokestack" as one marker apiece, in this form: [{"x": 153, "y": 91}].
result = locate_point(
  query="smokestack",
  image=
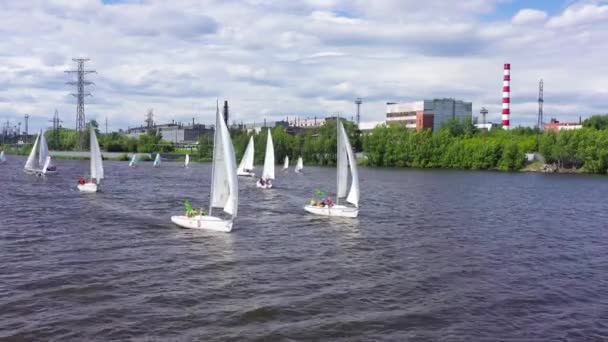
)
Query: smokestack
[
  {"x": 506, "y": 97},
  {"x": 226, "y": 112}
]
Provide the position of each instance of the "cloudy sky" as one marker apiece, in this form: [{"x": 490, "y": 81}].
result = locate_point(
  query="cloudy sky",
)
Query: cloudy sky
[{"x": 273, "y": 59}]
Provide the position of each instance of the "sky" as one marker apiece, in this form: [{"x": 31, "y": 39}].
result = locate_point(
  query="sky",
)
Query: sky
[{"x": 275, "y": 59}]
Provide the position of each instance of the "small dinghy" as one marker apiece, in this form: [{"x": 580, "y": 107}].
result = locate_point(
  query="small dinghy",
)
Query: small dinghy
[
  {"x": 286, "y": 163},
  {"x": 224, "y": 185},
  {"x": 187, "y": 161},
  {"x": 157, "y": 160},
  {"x": 2, "y": 157},
  {"x": 299, "y": 165},
  {"x": 246, "y": 166},
  {"x": 268, "y": 173},
  {"x": 96, "y": 167},
  {"x": 346, "y": 158},
  {"x": 133, "y": 161}
]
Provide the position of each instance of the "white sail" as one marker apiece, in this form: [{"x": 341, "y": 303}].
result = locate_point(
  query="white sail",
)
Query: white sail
[
  {"x": 286, "y": 163},
  {"x": 44, "y": 149},
  {"x": 133, "y": 159},
  {"x": 2, "y": 159},
  {"x": 224, "y": 186},
  {"x": 353, "y": 194},
  {"x": 187, "y": 161},
  {"x": 157, "y": 160},
  {"x": 300, "y": 164},
  {"x": 32, "y": 161},
  {"x": 96, "y": 160},
  {"x": 47, "y": 162},
  {"x": 247, "y": 160},
  {"x": 342, "y": 161},
  {"x": 268, "y": 172}
]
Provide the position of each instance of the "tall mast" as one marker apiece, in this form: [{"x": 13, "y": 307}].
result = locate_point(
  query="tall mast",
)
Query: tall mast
[
  {"x": 217, "y": 122},
  {"x": 337, "y": 159}
]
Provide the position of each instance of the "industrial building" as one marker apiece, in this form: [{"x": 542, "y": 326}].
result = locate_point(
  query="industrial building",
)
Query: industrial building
[
  {"x": 174, "y": 132},
  {"x": 427, "y": 114},
  {"x": 556, "y": 126}
]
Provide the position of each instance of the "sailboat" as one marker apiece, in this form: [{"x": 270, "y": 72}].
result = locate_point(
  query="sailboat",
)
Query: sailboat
[
  {"x": 133, "y": 160},
  {"x": 224, "y": 185},
  {"x": 268, "y": 172},
  {"x": 246, "y": 166},
  {"x": 299, "y": 165},
  {"x": 187, "y": 161},
  {"x": 39, "y": 158},
  {"x": 96, "y": 166},
  {"x": 2, "y": 157},
  {"x": 157, "y": 160},
  {"x": 286, "y": 163},
  {"x": 346, "y": 158}
]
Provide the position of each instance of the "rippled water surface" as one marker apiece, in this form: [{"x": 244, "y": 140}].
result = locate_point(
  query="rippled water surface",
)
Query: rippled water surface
[{"x": 434, "y": 256}]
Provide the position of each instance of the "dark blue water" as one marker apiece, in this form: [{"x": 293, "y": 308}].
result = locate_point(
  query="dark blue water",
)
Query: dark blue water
[{"x": 434, "y": 256}]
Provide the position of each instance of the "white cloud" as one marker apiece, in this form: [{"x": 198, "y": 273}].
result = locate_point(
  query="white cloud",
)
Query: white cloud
[
  {"x": 529, "y": 16},
  {"x": 274, "y": 59}
]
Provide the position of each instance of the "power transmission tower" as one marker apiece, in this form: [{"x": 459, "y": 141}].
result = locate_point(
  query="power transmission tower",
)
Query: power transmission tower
[
  {"x": 541, "y": 101},
  {"x": 150, "y": 118},
  {"x": 80, "y": 83},
  {"x": 358, "y": 102},
  {"x": 56, "y": 122},
  {"x": 27, "y": 119}
]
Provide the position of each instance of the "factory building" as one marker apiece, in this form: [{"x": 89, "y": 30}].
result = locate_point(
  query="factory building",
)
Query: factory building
[
  {"x": 427, "y": 114},
  {"x": 174, "y": 132},
  {"x": 556, "y": 126}
]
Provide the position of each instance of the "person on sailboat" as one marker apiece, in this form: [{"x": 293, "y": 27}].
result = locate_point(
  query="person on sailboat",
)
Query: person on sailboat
[
  {"x": 81, "y": 181},
  {"x": 262, "y": 182}
]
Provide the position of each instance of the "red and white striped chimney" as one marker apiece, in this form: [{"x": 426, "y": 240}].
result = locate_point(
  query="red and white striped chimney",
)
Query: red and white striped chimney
[{"x": 506, "y": 97}]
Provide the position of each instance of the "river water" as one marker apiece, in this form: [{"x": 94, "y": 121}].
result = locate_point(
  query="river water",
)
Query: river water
[{"x": 434, "y": 256}]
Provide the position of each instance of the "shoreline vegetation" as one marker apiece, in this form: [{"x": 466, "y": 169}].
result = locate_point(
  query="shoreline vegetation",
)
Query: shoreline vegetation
[{"x": 457, "y": 145}]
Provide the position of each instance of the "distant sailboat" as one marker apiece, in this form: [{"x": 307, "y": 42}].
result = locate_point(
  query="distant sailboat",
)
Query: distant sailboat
[
  {"x": 346, "y": 158},
  {"x": 286, "y": 163},
  {"x": 224, "y": 185},
  {"x": 157, "y": 160},
  {"x": 39, "y": 156},
  {"x": 187, "y": 161},
  {"x": 133, "y": 160},
  {"x": 246, "y": 166},
  {"x": 300, "y": 165},
  {"x": 268, "y": 172},
  {"x": 2, "y": 157},
  {"x": 96, "y": 166}
]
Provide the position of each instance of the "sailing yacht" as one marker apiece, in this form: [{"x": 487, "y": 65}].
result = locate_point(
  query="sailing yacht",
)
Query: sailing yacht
[
  {"x": 268, "y": 173},
  {"x": 133, "y": 161},
  {"x": 346, "y": 158},
  {"x": 246, "y": 166},
  {"x": 39, "y": 161},
  {"x": 187, "y": 161},
  {"x": 92, "y": 184},
  {"x": 224, "y": 185},
  {"x": 2, "y": 157},
  {"x": 157, "y": 160},
  {"x": 286, "y": 163},
  {"x": 299, "y": 165}
]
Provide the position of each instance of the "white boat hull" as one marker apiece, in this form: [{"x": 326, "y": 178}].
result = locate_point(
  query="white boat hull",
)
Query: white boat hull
[
  {"x": 87, "y": 187},
  {"x": 245, "y": 174},
  {"x": 39, "y": 172},
  {"x": 203, "y": 222},
  {"x": 265, "y": 186},
  {"x": 334, "y": 211}
]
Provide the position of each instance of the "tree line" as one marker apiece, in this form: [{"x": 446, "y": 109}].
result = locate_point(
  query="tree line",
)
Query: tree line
[{"x": 458, "y": 144}]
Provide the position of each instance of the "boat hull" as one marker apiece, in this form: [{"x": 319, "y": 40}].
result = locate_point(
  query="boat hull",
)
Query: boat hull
[
  {"x": 245, "y": 174},
  {"x": 334, "y": 211},
  {"x": 203, "y": 222},
  {"x": 39, "y": 172},
  {"x": 265, "y": 186},
  {"x": 87, "y": 187}
]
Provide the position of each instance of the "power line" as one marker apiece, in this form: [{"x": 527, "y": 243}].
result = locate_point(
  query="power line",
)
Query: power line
[{"x": 80, "y": 84}]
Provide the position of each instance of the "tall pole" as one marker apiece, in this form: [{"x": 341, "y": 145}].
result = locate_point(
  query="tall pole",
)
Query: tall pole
[
  {"x": 358, "y": 102},
  {"x": 27, "y": 119},
  {"x": 541, "y": 101},
  {"x": 483, "y": 112},
  {"x": 80, "y": 84},
  {"x": 106, "y": 125}
]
